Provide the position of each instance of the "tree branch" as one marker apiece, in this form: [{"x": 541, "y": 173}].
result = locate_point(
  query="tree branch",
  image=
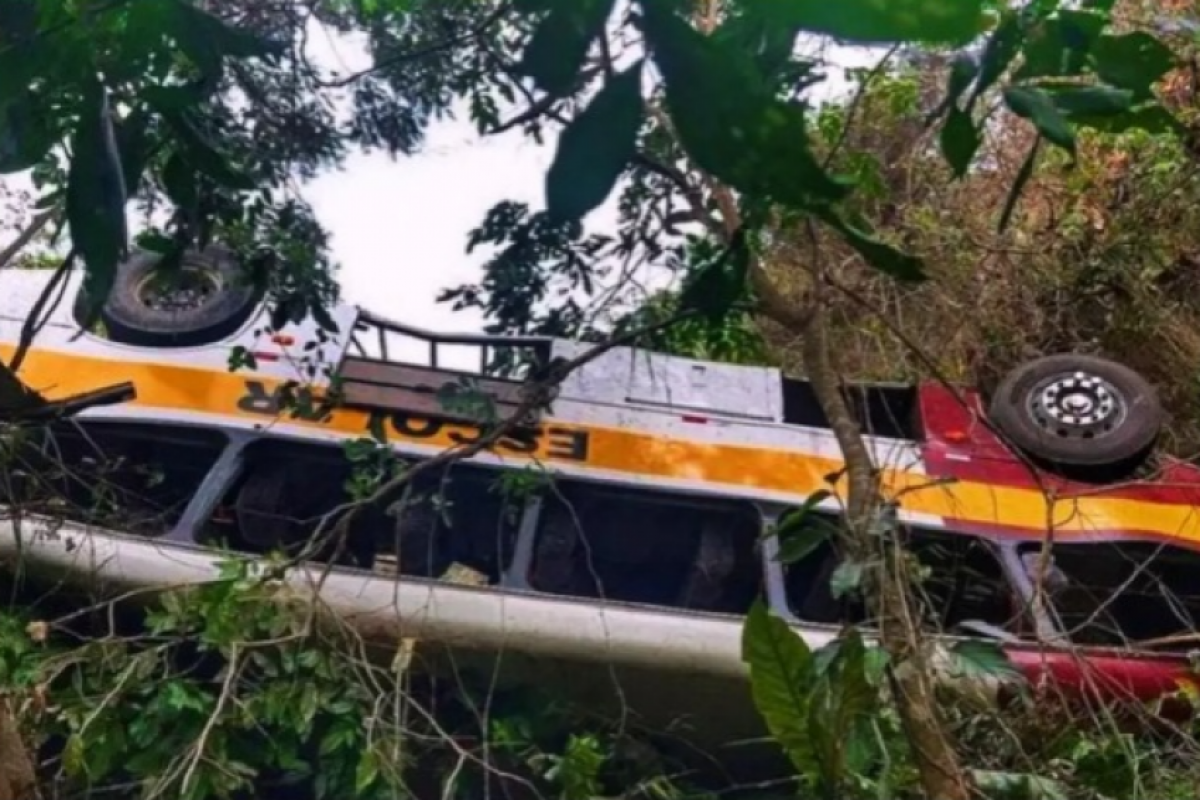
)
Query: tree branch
[
  {"x": 38, "y": 315},
  {"x": 421, "y": 52},
  {"x": 35, "y": 226}
]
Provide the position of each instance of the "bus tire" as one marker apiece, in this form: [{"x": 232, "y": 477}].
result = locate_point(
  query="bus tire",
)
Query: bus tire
[
  {"x": 1078, "y": 411},
  {"x": 214, "y": 301}
]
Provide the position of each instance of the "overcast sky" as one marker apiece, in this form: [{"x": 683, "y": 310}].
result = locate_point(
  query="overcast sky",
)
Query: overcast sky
[{"x": 399, "y": 227}]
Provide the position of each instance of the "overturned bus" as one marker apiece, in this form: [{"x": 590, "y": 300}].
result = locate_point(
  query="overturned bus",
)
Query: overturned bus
[{"x": 616, "y": 539}]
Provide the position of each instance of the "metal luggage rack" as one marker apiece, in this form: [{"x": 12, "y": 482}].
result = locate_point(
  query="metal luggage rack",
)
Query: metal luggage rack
[
  {"x": 497, "y": 357},
  {"x": 410, "y": 368}
]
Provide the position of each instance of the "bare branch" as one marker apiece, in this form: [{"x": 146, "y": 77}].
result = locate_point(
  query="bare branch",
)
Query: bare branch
[{"x": 35, "y": 226}]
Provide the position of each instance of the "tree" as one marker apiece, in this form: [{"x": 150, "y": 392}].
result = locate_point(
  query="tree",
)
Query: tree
[{"x": 210, "y": 110}]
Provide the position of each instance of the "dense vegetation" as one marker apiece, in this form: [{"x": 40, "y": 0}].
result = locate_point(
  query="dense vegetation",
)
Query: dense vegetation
[{"x": 1032, "y": 164}]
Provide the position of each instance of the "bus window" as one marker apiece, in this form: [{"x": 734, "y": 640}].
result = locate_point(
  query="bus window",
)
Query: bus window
[
  {"x": 646, "y": 547},
  {"x": 453, "y": 516},
  {"x": 130, "y": 477},
  {"x": 1116, "y": 594},
  {"x": 964, "y": 582}
]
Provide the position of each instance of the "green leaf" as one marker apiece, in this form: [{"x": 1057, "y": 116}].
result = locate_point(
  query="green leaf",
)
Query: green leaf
[
  {"x": 203, "y": 155},
  {"x": 558, "y": 48},
  {"x": 1133, "y": 61},
  {"x": 1092, "y": 101},
  {"x": 974, "y": 658},
  {"x": 95, "y": 202},
  {"x": 24, "y": 137},
  {"x": 133, "y": 142},
  {"x": 1060, "y": 46},
  {"x": 799, "y": 542},
  {"x": 197, "y": 29},
  {"x": 998, "y": 52},
  {"x": 1018, "y": 786},
  {"x": 960, "y": 141},
  {"x": 595, "y": 148},
  {"x": 841, "y": 710},
  {"x": 1150, "y": 117},
  {"x": 885, "y": 21},
  {"x": 846, "y": 578},
  {"x": 729, "y": 121},
  {"x": 799, "y": 534},
  {"x": 717, "y": 286},
  {"x": 179, "y": 182},
  {"x": 879, "y": 255},
  {"x": 781, "y": 677},
  {"x": 1038, "y": 107},
  {"x": 963, "y": 70}
]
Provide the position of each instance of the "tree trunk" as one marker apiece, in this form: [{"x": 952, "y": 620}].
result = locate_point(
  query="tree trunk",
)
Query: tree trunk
[
  {"x": 17, "y": 778},
  {"x": 937, "y": 762}
]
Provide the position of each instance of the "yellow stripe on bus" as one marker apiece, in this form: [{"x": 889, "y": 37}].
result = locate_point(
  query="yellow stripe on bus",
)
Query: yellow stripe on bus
[{"x": 640, "y": 454}]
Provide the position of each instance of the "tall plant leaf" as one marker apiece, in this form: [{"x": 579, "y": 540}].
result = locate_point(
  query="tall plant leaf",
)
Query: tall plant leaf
[
  {"x": 781, "y": 678},
  {"x": 555, "y": 55},
  {"x": 595, "y": 148},
  {"x": 96, "y": 195},
  {"x": 728, "y": 119}
]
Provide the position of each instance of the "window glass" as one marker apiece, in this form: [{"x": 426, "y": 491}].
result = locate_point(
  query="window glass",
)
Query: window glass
[
  {"x": 133, "y": 478},
  {"x": 1119, "y": 594},
  {"x": 647, "y": 547},
  {"x": 458, "y": 516},
  {"x": 963, "y": 583}
]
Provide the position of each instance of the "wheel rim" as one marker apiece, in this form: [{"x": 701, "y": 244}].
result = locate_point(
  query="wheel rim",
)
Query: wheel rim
[
  {"x": 1079, "y": 405},
  {"x": 186, "y": 290}
]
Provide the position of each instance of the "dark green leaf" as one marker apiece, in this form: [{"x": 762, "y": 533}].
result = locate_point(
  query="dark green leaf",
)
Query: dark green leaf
[
  {"x": 133, "y": 141},
  {"x": 195, "y": 27},
  {"x": 1133, "y": 61},
  {"x": 963, "y": 70},
  {"x": 24, "y": 138},
  {"x": 1150, "y": 117},
  {"x": 798, "y": 517},
  {"x": 729, "y": 121},
  {"x": 199, "y": 152},
  {"x": 558, "y": 48},
  {"x": 18, "y": 21},
  {"x": 1092, "y": 101},
  {"x": 781, "y": 675},
  {"x": 1038, "y": 107},
  {"x": 1001, "y": 47},
  {"x": 800, "y": 541},
  {"x": 799, "y": 533},
  {"x": 877, "y": 254},
  {"x": 973, "y": 658},
  {"x": 179, "y": 182},
  {"x": 960, "y": 141},
  {"x": 1023, "y": 176},
  {"x": 718, "y": 285},
  {"x": 595, "y": 148},
  {"x": 1059, "y": 46},
  {"x": 884, "y": 21},
  {"x": 768, "y": 30},
  {"x": 846, "y": 578},
  {"x": 95, "y": 203}
]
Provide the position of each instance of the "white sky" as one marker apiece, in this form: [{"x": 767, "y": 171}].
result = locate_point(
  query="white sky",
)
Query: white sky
[{"x": 399, "y": 227}]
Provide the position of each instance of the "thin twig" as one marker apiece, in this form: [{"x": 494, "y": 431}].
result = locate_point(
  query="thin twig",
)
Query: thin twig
[{"x": 31, "y": 230}]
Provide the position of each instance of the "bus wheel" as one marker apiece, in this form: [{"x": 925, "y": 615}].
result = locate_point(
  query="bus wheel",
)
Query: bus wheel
[
  {"x": 207, "y": 300},
  {"x": 1078, "y": 411}
]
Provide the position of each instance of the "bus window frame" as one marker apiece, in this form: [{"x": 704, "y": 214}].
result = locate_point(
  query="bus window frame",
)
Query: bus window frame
[{"x": 1005, "y": 554}]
